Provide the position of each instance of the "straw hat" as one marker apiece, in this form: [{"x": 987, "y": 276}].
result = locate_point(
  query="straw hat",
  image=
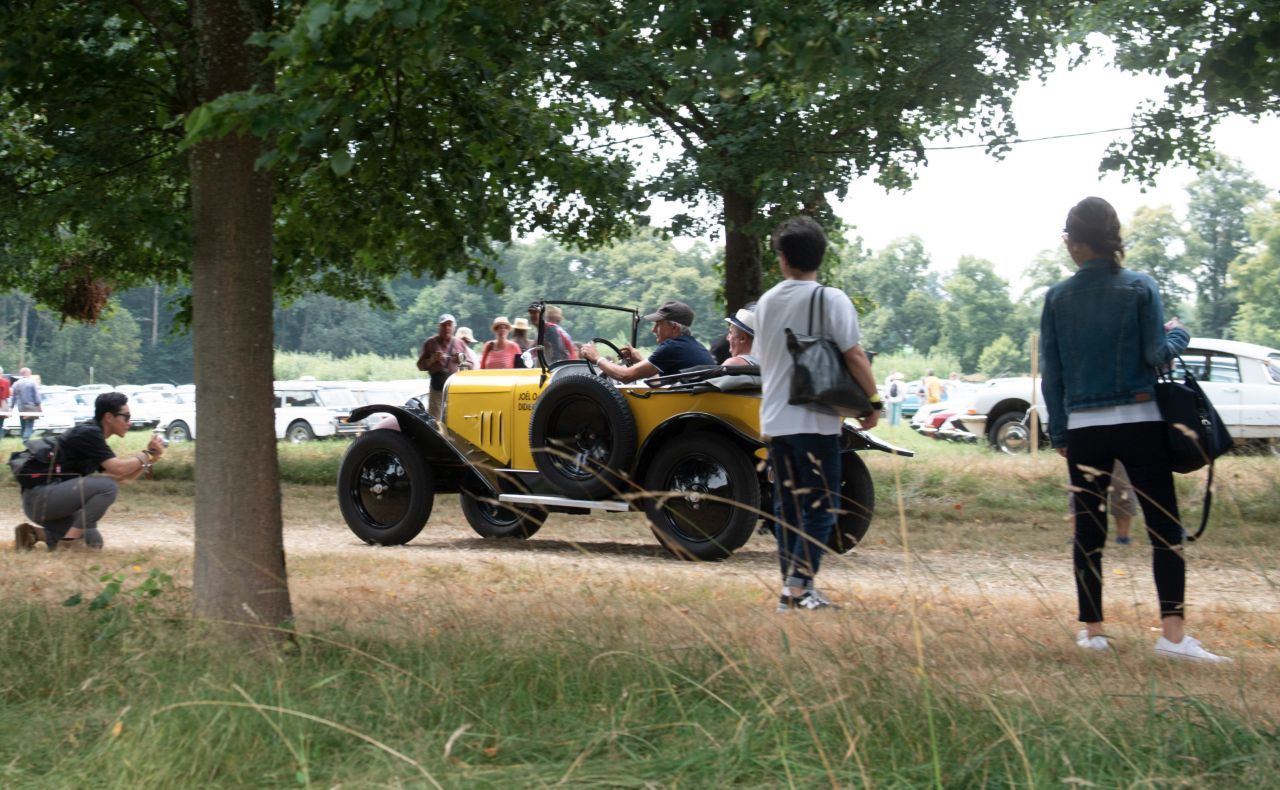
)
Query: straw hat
[
  {"x": 521, "y": 323},
  {"x": 464, "y": 334},
  {"x": 500, "y": 321}
]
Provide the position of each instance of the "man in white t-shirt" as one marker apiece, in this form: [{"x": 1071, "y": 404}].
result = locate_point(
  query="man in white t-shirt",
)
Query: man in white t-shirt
[{"x": 806, "y": 494}]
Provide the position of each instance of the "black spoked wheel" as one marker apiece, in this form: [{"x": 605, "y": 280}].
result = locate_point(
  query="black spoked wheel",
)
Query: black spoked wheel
[
  {"x": 583, "y": 435},
  {"x": 385, "y": 488},
  {"x": 493, "y": 519},
  {"x": 704, "y": 497},
  {"x": 857, "y": 503}
]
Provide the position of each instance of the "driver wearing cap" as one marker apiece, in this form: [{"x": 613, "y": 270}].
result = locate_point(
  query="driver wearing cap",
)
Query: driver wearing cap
[{"x": 677, "y": 350}]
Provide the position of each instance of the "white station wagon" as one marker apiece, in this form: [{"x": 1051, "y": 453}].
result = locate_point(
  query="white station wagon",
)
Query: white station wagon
[{"x": 1241, "y": 379}]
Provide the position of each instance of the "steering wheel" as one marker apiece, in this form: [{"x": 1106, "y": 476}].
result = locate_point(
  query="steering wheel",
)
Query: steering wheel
[{"x": 600, "y": 341}]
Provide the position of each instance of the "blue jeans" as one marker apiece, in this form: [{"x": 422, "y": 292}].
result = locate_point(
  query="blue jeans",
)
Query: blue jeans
[
  {"x": 806, "y": 489},
  {"x": 28, "y": 427},
  {"x": 895, "y": 412}
]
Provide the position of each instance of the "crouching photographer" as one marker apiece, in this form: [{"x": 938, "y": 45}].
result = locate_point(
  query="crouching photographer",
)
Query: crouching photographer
[{"x": 70, "y": 498}]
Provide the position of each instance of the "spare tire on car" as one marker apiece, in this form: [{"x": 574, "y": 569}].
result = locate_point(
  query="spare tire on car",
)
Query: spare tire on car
[{"x": 583, "y": 435}]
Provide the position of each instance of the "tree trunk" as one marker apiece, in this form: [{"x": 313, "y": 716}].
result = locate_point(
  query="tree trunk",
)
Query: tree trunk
[
  {"x": 239, "y": 553},
  {"x": 741, "y": 249}
]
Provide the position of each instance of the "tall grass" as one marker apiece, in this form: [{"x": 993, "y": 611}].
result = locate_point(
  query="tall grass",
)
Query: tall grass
[
  {"x": 452, "y": 672},
  {"x": 530, "y": 680}
]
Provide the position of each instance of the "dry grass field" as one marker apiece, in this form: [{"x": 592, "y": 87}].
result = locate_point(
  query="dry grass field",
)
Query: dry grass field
[{"x": 586, "y": 655}]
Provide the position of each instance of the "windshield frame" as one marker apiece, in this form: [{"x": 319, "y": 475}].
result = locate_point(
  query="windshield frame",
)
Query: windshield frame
[{"x": 542, "y": 313}]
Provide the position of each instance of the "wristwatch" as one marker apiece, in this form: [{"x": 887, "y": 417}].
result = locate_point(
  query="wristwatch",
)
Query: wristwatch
[{"x": 876, "y": 402}]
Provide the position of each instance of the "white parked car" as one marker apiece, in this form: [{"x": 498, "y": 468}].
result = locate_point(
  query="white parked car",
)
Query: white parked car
[
  {"x": 1241, "y": 379},
  {"x": 59, "y": 410},
  {"x": 305, "y": 410}
]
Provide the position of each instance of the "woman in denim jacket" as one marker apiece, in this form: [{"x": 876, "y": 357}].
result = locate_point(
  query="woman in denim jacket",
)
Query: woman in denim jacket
[{"x": 1102, "y": 339}]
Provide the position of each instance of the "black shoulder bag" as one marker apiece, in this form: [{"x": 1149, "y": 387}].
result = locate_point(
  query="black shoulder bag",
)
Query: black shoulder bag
[
  {"x": 1195, "y": 431},
  {"x": 820, "y": 378}
]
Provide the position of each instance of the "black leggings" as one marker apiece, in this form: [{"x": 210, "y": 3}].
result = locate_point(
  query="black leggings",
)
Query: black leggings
[{"x": 1142, "y": 448}]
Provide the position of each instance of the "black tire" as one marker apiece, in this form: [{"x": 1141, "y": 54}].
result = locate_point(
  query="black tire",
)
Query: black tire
[
  {"x": 178, "y": 431},
  {"x": 698, "y": 478},
  {"x": 385, "y": 488},
  {"x": 299, "y": 431},
  {"x": 491, "y": 519},
  {"x": 583, "y": 435},
  {"x": 1010, "y": 434},
  {"x": 857, "y": 503}
]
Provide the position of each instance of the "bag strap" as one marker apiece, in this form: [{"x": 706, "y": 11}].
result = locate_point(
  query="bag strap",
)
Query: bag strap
[
  {"x": 822, "y": 309},
  {"x": 1208, "y": 503},
  {"x": 1167, "y": 376}
]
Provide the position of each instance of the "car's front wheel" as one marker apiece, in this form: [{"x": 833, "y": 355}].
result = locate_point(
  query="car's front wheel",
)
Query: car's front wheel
[
  {"x": 299, "y": 431},
  {"x": 703, "y": 497},
  {"x": 1010, "y": 434},
  {"x": 385, "y": 488},
  {"x": 178, "y": 431}
]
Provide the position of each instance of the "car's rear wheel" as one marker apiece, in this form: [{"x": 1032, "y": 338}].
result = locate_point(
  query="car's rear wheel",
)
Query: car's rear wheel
[
  {"x": 857, "y": 504},
  {"x": 178, "y": 431},
  {"x": 385, "y": 488},
  {"x": 493, "y": 519},
  {"x": 583, "y": 435},
  {"x": 704, "y": 497}
]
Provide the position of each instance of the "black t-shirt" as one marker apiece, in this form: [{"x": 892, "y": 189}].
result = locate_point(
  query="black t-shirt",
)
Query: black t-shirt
[
  {"x": 678, "y": 354},
  {"x": 82, "y": 450}
]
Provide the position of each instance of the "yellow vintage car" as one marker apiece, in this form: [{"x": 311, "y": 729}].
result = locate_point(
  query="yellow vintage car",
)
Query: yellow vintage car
[{"x": 517, "y": 445}]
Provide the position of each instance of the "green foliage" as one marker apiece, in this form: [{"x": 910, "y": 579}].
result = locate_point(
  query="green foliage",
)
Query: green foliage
[
  {"x": 908, "y": 297},
  {"x": 111, "y": 348},
  {"x": 1218, "y": 58},
  {"x": 774, "y": 106},
  {"x": 1257, "y": 281},
  {"x": 1221, "y": 202},
  {"x": 977, "y": 313},
  {"x": 912, "y": 364},
  {"x": 1004, "y": 357},
  {"x": 1156, "y": 244}
]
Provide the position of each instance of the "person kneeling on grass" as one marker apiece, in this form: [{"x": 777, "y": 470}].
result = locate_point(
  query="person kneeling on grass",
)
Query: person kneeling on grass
[{"x": 69, "y": 502}]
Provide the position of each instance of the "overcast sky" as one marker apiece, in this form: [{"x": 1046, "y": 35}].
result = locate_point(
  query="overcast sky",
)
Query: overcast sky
[{"x": 966, "y": 203}]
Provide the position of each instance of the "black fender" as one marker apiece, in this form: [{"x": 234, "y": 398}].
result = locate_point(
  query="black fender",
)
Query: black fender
[
  {"x": 684, "y": 423},
  {"x": 854, "y": 439},
  {"x": 454, "y": 468}
]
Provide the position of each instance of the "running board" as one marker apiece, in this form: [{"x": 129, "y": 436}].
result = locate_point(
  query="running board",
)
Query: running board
[{"x": 559, "y": 501}]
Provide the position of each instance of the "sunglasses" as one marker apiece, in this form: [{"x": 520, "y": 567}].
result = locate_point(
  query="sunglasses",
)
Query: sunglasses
[{"x": 124, "y": 414}]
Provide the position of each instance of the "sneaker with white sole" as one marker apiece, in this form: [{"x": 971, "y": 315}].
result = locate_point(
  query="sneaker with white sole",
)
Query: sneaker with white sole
[
  {"x": 1086, "y": 642},
  {"x": 809, "y": 601},
  {"x": 1188, "y": 649}
]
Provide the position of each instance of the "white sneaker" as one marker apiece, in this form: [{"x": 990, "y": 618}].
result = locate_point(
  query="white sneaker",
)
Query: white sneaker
[
  {"x": 1188, "y": 649},
  {"x": 1087, "y": 642}
]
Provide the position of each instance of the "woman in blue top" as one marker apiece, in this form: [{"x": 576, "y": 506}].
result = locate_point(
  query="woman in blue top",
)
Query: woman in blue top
[{"x": 1102, "y": 338}]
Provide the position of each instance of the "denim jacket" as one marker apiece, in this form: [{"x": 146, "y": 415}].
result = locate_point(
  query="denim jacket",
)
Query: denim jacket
[{"x": 1102, "y": 340}]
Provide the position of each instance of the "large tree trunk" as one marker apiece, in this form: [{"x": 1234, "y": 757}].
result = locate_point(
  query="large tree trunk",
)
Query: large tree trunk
[
  {"x": 741, "y": 249},
  {"x": 239, "y": 555}
]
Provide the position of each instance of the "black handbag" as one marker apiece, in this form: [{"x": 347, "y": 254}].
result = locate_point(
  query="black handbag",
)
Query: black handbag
[
  {"x": 1195, "y": 431},
  {"x": 820, "y": 379}
]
